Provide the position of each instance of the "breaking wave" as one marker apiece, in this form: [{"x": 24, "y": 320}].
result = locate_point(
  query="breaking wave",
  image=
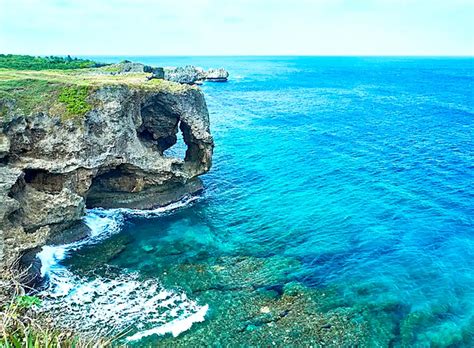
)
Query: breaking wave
[{"x": 122, "y": 304}]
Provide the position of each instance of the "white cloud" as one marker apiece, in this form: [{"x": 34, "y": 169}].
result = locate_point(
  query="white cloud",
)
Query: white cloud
[{"x": 237, "y": 27}]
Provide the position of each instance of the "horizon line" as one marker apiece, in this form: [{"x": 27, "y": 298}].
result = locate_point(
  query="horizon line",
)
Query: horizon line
[{"x": 253, "y": 55}]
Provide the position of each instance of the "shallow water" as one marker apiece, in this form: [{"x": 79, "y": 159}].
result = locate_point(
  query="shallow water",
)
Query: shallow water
[{"x": 346, "y": 181}]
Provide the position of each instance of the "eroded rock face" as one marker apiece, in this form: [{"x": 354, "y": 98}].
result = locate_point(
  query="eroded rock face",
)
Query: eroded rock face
[
  {"x": 127, "y": 67},
  {"x": 50, "y": 170},
  {"x": 188, "y": 74},
  {"x": 4, "y": 146},
  {"x": 191, "y": 74}
]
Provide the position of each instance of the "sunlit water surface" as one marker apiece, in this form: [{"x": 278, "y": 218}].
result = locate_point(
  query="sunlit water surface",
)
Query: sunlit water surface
[{"x": 349, "y": 179}]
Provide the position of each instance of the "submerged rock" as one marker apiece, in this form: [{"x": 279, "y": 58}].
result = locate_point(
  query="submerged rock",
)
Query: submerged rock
[
  {"x": 90, "y": 259},
  {"x": 234, "y": 289},
  {"x": 147, "y": 248}
]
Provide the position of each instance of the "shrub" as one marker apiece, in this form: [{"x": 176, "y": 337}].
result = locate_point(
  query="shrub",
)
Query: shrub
[
  {"x": 24, "y": 62},
  {"x": 27, "y": 301},
  {"x": 75, "y": 99},
  {"x": 21, "y": 327}
]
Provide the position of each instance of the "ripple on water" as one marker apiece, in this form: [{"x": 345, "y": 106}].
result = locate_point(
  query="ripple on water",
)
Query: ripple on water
[{"x": 351, "y": 177}]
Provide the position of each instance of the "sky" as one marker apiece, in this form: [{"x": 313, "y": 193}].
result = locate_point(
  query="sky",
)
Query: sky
[{"x": 237, "y": 27}]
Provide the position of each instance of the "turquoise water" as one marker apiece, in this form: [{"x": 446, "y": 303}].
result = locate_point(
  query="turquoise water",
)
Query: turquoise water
[{"x": 347, "y": 180}]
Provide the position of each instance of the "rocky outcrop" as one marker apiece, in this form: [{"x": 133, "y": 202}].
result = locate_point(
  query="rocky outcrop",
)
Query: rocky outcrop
[
  {"x": 188, "y": 75},
  {"x": 127, "y": 67},
  {"x": 192, "y": 75},
  {"x": 217, "y": 75},
  {"x": 114, "y": 156}
]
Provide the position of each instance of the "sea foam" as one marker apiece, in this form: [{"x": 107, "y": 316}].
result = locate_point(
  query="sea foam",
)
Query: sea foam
[{"x": 123, "y": 304}]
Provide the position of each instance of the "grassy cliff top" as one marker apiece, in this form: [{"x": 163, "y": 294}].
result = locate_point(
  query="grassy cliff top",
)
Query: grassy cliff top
[
  {"x": 64, "y": 91},
  {"x": 88, "y": 77}
]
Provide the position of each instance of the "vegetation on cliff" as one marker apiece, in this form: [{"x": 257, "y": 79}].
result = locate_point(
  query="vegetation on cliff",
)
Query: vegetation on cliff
[
  {"x": 64, "y": 92},
  {"x": 48, "y": 179},
  {"x": 20, "y": 326},
  {"x": 25, "y": 62},
  {"x": 75, "y": 100},
  {"x": 29, "y": 95}
]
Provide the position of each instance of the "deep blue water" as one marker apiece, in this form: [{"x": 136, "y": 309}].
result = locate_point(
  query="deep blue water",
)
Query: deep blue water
[{"x": 361, "y": 169}]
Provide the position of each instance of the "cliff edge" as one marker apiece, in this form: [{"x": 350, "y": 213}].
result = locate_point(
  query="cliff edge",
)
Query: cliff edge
[{"x": 73, "y": 139}]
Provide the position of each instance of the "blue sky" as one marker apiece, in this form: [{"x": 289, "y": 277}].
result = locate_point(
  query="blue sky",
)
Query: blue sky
[{"x": 238, "y": 27}]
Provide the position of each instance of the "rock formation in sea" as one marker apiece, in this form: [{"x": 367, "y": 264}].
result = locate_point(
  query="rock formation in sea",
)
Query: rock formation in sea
[
  {"x": 127, "y": 67},
  {"x": 217, "y": 75},
  {"x": 70, "y": 141},
  {"x": 191, "y": 74},
  {"x": 188, "y": 74}
]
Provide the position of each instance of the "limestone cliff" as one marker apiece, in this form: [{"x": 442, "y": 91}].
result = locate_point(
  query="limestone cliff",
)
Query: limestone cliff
[{"x": 57, "y": 158}]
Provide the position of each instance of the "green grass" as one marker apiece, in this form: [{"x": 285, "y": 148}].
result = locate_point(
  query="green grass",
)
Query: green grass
[
  {"x": 111, "y": 68},
  {"x": 27, "y": 301},
  {"x": 28, "y": 95},
  {"x": 22, "y": 327},
  {"x": 67, "y": 94},
  {"x": 24, "y": 62},
  {"x": 36, "y": 95},
  {"x": 3, "y": 110},
  {"x": 75, "y": 99}
]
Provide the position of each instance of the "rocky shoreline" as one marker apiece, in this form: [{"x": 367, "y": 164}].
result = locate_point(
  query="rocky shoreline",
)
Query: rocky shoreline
[{"x": 59, "y": 157}]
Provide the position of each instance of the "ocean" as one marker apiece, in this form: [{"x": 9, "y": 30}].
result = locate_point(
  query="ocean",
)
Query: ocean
[{"x": 339, "y": 210}]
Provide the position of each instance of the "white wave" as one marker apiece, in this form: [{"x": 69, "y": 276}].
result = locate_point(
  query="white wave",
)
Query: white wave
[
  {"x": 158, "y": 211},
  {"x": 101, "y": 306},
  {"x": 103, "y": 223},
  {"x": 175, "y": 327}
]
